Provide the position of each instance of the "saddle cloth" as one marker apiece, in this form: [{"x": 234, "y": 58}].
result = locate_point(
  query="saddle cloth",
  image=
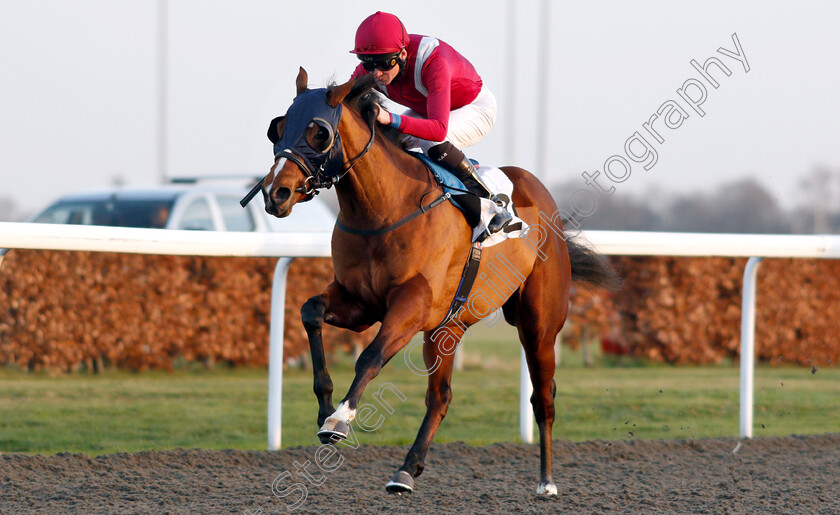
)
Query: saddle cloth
[{"x": 498, "y": 182}]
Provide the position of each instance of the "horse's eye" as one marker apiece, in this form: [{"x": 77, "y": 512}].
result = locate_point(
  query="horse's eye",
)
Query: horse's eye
[{"x": 318, "y": 136}]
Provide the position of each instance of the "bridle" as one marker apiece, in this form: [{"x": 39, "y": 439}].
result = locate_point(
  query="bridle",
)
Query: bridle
[
  {"x": 324, "y": 167},
  {"x": 320, "y": 178}
]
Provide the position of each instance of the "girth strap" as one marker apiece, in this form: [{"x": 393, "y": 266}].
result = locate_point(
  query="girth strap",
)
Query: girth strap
[{"x": 467, "y": 280}]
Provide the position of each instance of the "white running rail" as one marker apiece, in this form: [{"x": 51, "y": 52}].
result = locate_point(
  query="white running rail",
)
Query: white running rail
[
  {"x": 753, "y": 246},
  {"x": 290, "y": 245},
  {"x": 190, "y": 243}
]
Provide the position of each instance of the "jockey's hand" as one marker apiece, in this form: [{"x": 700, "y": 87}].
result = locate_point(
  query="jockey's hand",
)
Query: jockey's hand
[{"x": 383, "y": 116}]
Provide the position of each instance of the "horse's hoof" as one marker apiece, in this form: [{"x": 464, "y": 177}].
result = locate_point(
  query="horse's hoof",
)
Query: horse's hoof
[
  {"x": 333, "y": 431},
  {"x": 547, "y": 489},
  {"x": 400, "y": 483}
]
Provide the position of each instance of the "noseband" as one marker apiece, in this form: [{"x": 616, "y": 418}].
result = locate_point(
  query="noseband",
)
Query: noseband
[
  {"x": 318, "y": 179},
  {"x": 322, "y": 168}
]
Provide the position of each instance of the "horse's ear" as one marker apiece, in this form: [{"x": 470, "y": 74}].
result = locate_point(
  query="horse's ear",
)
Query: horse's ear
[
  {"x": 337, "y": 94},
  {"x": 370, "y": 109},
  {"x": 275, "y": 129},
  {"x": 302, "y": 81}
]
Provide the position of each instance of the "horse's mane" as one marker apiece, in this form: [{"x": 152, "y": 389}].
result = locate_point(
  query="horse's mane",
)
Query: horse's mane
[{"x": 362, "y": 98}]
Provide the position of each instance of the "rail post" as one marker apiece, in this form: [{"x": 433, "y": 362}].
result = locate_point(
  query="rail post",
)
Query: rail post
[
  {"x": 275, "y": 352},
  {"x": 748, "y": 346},
  {"x": 526, "y": 413}
]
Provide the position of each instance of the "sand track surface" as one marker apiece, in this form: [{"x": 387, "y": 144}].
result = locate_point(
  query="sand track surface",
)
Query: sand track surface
[{"x": 797, "y": 474}]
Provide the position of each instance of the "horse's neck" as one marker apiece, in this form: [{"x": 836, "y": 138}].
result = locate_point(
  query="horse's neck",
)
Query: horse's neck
[{"x": 382, "y": 187}]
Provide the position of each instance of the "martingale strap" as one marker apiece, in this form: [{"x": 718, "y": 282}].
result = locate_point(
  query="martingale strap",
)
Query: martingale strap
[{"x": 467, "y": 280}]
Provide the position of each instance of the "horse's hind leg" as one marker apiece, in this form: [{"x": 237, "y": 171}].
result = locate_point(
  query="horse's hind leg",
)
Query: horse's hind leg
[
  {"x": 337, "y": 308},
  {"x": 438, "y": 354},
  {"x": 541, "y": 364},
  {"x": 540, "y": 313}
]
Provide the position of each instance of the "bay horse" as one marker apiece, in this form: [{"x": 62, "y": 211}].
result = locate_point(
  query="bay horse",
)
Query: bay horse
[{"x": 403, "y": 271}]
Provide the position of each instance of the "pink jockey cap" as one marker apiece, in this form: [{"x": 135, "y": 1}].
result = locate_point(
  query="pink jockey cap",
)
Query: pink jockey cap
[{"x": 380, "y": 33}]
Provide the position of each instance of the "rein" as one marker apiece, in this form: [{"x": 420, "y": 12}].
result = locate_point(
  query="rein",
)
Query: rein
[
  {"x": 396, "y": 225},
  {"x": 315, "y": 180},
  {"x": 318, "y": 180}
]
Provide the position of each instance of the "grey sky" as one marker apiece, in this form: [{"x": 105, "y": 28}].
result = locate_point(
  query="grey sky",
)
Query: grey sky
[{"x": 78, "y": 95}]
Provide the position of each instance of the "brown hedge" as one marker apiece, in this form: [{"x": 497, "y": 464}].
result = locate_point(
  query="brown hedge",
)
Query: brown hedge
[
  {"x": 68, "y": 309},
  {"x": 65, "y": 310},
  {"x": 688, "y": 310}
]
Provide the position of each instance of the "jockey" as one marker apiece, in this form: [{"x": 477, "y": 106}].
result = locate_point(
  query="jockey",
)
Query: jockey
[{"x": 449, "y": 107}]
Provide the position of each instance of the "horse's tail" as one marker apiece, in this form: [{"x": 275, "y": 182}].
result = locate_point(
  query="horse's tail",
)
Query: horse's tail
[{"x": 591, "y": 267}]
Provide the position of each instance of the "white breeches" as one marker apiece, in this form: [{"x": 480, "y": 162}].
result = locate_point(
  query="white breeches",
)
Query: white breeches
[{"x": 467, "y": 124}]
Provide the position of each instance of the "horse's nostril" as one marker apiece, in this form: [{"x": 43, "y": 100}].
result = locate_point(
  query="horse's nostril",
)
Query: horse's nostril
[{"x": 282, "y": 195}]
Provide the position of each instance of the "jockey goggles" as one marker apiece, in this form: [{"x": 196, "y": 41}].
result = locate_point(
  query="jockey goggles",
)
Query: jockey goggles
[
  {"x": 380, "y": 62},
  {"x": 314, "y": 123}
]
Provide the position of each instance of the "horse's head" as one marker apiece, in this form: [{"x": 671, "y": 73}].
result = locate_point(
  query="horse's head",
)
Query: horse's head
[{"x": 307, "y": 147}]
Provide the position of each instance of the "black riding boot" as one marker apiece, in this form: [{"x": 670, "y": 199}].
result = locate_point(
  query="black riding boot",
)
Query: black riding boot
[{"x": 456, "y": 162}]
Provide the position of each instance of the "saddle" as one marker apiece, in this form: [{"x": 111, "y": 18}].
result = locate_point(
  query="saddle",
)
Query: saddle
[{"x": 459, "y": 195}]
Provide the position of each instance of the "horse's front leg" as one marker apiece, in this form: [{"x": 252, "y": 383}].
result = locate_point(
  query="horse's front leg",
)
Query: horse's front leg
[
  {"x": 335, "y": 307},
  {"x": 407, "y": 310},
  {"x": 438, "y": 354}
]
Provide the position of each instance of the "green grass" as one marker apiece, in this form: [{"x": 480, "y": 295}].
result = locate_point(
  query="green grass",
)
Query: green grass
[{"x": 120, "y": 411}]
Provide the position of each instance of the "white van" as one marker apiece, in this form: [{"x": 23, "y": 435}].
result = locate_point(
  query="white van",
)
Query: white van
[{"x": 202, "y": 205}]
